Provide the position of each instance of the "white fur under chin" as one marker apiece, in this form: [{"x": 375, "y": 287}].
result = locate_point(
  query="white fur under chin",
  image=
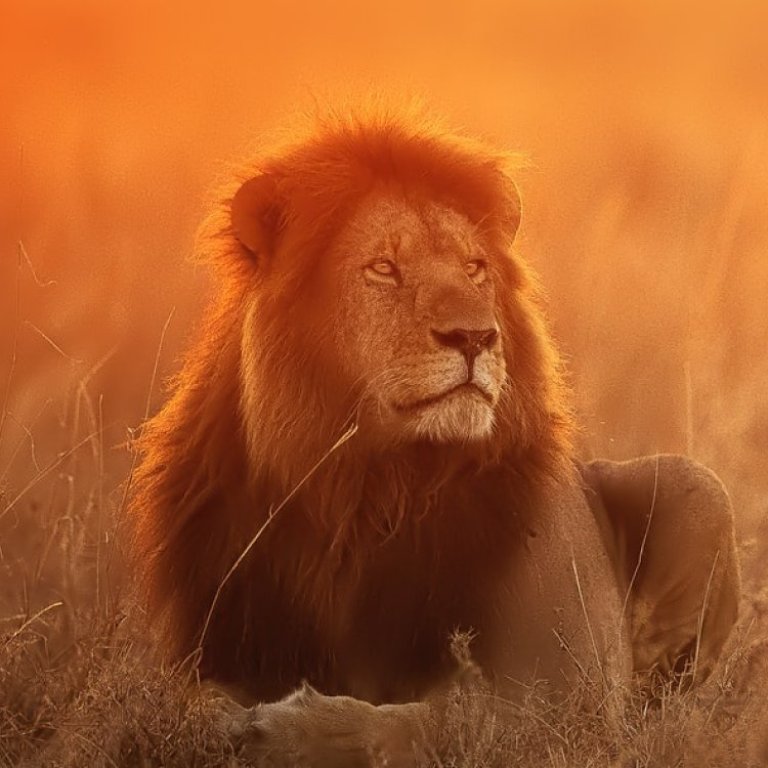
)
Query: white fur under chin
[{"x": 458, "y": 419}]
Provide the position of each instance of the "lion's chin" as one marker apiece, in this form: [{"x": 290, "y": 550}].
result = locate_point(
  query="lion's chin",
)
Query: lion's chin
[{"x": 457, "y": 419}]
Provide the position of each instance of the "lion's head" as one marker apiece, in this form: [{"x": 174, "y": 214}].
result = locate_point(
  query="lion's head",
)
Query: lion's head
[
  {"x": 406, "y": 314},
  {"x": 382, "y": 286}
]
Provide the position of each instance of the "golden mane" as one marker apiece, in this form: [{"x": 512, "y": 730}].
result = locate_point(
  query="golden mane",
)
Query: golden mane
[{"x": 206, "y": 483}]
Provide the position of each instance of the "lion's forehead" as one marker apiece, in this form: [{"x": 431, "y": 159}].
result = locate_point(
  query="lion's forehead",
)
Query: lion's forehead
[{"x": 389, "y": 224}]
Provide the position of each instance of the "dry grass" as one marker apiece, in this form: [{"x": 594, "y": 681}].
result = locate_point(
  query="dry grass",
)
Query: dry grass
[{"x": 80, "y": 685}]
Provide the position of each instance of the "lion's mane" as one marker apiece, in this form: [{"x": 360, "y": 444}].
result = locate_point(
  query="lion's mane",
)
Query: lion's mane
[{"x": 208, "y": 477}]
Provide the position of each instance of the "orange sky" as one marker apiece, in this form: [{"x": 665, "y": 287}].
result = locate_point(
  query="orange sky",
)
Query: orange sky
[{"x": 646, "y": 125}]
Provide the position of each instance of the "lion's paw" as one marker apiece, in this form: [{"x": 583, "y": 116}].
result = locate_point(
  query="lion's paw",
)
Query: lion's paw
[{"x": 310, "y": 730}]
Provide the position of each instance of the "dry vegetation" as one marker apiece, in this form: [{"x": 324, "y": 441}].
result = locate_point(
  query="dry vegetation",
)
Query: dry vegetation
[{"x": 644, "y": 212}]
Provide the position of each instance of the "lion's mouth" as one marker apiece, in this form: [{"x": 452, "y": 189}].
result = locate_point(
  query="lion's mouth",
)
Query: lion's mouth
[{"x": 465, "y": 388}]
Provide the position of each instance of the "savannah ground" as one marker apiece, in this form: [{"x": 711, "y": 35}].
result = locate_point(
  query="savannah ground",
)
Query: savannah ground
[{"x": 644, "y": 213}]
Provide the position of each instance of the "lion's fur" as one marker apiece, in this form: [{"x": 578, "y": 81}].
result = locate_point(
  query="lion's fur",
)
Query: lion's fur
[
  {"x": 204, "y": 486},
  {"x": 382, "y": 552}
]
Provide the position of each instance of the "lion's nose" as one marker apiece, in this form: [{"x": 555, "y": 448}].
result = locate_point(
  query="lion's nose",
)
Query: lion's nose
[{"x": 469, "y": 343}]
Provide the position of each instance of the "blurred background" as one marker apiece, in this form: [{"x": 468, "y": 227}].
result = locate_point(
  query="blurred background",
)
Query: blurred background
[{"x": 645, "y": 213}]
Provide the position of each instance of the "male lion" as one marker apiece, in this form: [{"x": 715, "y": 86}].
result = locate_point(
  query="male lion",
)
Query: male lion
[{"x": 366, "y": 277}]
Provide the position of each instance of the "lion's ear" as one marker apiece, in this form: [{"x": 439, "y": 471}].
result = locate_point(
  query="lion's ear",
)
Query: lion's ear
[{"x": 258, "y": 215}]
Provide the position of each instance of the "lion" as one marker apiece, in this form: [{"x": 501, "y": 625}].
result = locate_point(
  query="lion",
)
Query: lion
[{"x": 370, "y": 446}]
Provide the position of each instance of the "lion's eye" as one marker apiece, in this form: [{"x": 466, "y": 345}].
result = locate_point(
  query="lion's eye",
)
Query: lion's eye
[
  {"x": 383, "y": 271},
  {"x": 476, "y": 269},
  {"x": 383, "y": 267}
]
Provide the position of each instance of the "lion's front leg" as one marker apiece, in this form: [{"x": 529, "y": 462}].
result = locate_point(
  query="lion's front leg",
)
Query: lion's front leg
[{"x": 308, "y": 728}]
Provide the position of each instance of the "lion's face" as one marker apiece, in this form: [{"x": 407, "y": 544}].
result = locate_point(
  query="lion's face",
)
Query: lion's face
[{"x": 415, "y": 327}]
